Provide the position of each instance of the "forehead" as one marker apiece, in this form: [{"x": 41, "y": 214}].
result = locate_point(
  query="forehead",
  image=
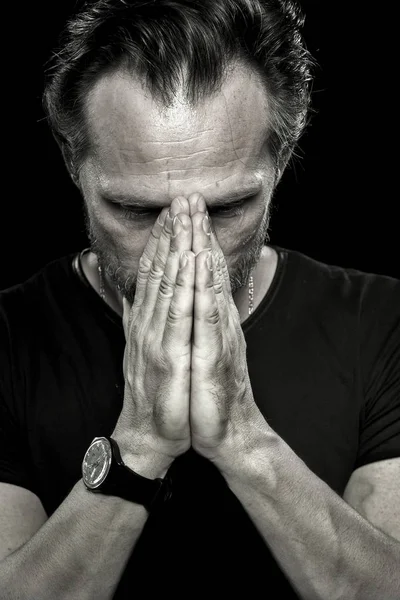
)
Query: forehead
[{"x": 220, "y": 141}]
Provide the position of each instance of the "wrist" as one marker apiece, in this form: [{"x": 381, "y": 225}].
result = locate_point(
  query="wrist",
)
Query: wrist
[
  {"x": 147, "y": 466},
  {"x": 248, "y": 452},
  {"x": 142, "y": 458}
]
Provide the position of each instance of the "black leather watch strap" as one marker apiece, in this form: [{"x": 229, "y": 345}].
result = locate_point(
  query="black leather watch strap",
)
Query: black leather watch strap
[{"x": 127, "y": 484}]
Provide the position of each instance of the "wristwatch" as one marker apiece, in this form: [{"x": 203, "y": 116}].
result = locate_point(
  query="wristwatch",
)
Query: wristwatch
[{"x": 104, "y": 471}]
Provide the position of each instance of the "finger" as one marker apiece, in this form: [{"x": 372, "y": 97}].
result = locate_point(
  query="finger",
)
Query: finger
[
  {"x": 201, "y": 232},
  {"x": 197, "y": 203},
  {"x": 126, "y": 322},
  {"x": 231, "y": 309},
  {"x": 181, "y": 240},
  {"x": 222, "y": 266},
  {"x": 126, "y": 318},
  {"x": 147, "y": 257},
  {"x": 156, "y": 272},
  {"x": 202, "y": 239},
  {"x": 222, "y": 269},
  {"x": 207, "y": 334},
  {"x": 221, "y": 296},
  {"x": 179, "y": 322},
  {"x": 230, "y": 316}
]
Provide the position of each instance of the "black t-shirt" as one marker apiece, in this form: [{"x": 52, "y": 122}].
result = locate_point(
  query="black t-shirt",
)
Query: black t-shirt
[{"x": 323, "y": 351}]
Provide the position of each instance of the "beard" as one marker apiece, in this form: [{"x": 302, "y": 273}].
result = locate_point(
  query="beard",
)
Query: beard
[
  {"x": 125, "y": 281},
  {"x": 240, "y": 272}
]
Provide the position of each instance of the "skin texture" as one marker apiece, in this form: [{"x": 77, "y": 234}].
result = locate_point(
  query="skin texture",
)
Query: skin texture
[
  {"x": 141, "y": 150},
  {"x": 214, "y": 150}
]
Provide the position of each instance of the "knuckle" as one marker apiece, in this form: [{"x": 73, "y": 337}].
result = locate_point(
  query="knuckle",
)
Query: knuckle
[
  {"x": 208, "y": 286},
  {"x": 218, "y": 288},
  {"x": 213, "y": 317},
  {"x": 166, "y": 287},
  {"x": 186, "y": 220},
  {"x": 219, "y": 263},
  {"x": 158, "y": 264},
  {"x": 144, "y": 264},
  {"x": 154, "y": 277},
  {"x": 140, "y": 339},
  {"x": 174, "y": 314},
  {"x": 154, "y": 237},
  {"x": 167, "y": 231},
  {"x": 156, "y": 272},
  {"x": 150, "y": 346},
  {"x": 180, "y": 283}
]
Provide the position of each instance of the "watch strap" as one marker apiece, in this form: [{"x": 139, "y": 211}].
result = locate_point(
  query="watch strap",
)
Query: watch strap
[{"x": 126, "y": 483}]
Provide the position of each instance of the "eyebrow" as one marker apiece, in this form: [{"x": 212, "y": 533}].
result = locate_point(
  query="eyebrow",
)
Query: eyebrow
[{"x": 138, "y": 201}]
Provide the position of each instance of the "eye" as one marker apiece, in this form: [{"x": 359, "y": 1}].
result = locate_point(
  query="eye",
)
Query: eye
[
  {"x": 230, "y": 210},
  {"x": 131, "y": 213}
]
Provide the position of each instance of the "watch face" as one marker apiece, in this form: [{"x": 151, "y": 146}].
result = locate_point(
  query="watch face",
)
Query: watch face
[{"x": 97, "y": 462}]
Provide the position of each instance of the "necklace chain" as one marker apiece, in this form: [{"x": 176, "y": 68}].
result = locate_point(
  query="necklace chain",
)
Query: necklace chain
[{"x": 103, "y": 293}]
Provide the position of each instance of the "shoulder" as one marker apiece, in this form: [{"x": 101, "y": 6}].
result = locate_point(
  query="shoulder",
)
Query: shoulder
[
  {"x": 30, "y": 298},
  {"x": 363, "y": 293}
]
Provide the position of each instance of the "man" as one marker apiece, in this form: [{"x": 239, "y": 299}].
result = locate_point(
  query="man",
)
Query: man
[{"x": 252, "y": 392}]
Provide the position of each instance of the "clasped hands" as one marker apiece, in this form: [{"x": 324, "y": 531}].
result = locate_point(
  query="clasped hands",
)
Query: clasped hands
[{"x": 185, "y": 367}]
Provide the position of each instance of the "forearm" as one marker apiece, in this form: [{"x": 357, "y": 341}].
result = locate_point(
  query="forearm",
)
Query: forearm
[
  {"x": 327, "y": 550},
  {"x": 80, "y": 552}
]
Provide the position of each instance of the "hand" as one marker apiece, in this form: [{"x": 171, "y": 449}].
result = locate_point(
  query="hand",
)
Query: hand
[
  {"x": 154, "y": 420},
  {"x": 222, "y": 407}
]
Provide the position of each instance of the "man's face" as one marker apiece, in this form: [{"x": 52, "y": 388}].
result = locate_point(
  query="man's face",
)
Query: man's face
[{"x": 142, "y": 157}]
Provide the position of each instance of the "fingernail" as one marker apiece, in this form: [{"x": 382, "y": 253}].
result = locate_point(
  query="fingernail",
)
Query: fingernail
[
  {"x": 167, "y": 223},
  {"x": 183, "y": 259},
  {"x": 209, "y": 260},
  {"x": 161, "y": 219},
  {"x": 177, "y": 225},
  {"x": 206, "y": 225}
]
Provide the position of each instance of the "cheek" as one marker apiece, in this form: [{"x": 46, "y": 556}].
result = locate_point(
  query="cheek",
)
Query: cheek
[
  {"x": 125, "y": 239},
  {"x": 234, "y": 234}
]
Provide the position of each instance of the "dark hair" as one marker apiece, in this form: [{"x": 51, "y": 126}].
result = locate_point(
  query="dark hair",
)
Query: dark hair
[{"x": 160, "y": 40}]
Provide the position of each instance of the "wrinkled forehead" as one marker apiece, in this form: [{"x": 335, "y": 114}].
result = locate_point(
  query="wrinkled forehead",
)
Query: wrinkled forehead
[{"x": 131, "y": 134}]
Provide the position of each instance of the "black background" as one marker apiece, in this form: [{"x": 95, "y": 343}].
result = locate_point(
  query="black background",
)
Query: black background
[{"x": 337, "y": 203}]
